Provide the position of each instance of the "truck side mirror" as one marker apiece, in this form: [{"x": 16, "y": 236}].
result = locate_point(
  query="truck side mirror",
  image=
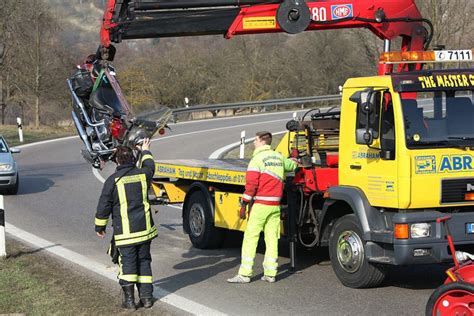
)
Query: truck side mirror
[
  {"x": 364, "y": 136},
  {"x": 356, "y": 97}
]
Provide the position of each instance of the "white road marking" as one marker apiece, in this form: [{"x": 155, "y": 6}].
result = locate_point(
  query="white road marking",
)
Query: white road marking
[
  {"x": 46, "y": 141},
  {"x": 105, "y": 271},
  {"x": 98, "y": 175},
  {"x": 221, "y": 151},
  {"x": 215, "y": 129}
]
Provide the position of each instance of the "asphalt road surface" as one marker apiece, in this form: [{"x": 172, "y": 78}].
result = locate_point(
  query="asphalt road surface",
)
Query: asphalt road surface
[{"x": 57, "y": 200}]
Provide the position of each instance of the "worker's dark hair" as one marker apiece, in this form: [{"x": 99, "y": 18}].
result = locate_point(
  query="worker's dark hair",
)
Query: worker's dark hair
[
  {"x": 265, "y": 136},
  {"x": 124, "y": 155}
]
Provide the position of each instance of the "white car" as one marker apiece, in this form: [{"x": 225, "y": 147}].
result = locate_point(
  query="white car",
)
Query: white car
[{"x": 9, "y": 179}]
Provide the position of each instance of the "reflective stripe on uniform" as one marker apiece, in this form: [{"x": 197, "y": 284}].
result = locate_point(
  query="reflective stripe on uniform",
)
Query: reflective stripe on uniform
[
  {"x": 269, "y": 268},
  {"x": 145, "y": 279},
  {"x": 119, "y": 265},
  {"x": 101, "y": 222},
  {"x": 123, "y": 207},
  {"x": 134, "y": 235},
  {"x": 247, "y": 197},
  {"x": 129, "y": 277},
  {"x": 246, "y": 266},
  {"x": 268, "y": 198},
  {"x": 146, "y": 205},
  {"x": 148, "y": 156},
  {"x": 145, "y": 157},
  {"x": 131, "y": 179},
  {"x": 126, "y": 240},
  {"x": 247, "y": 260}
]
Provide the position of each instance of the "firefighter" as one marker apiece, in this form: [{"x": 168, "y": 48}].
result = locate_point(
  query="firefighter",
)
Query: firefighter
[
  {"x": 264, "y": 187},
  {"x": 125, "y": 196}
]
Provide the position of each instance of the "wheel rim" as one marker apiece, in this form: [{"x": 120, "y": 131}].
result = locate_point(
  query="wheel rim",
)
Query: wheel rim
[
  {"x": 350, "y": 251},
  {"x": 196, "y": 220},
  {"x": 455, "y": 302}
]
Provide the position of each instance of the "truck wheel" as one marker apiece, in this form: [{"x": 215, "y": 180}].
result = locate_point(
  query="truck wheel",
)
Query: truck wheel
[
  {"x": 347, "y": 254},
  {"x": 456, "y": 298},
  {"x": 200, "y": 224}
]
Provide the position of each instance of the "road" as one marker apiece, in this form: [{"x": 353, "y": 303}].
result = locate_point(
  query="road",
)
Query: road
[{"x": 57, "y": 200}]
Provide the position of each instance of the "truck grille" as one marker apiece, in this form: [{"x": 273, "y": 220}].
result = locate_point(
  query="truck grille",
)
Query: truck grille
[{"x": 453, "y": 190}]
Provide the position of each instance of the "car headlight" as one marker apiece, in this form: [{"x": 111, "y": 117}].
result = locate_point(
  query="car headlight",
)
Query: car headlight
[
  {"x": 420, "y": 230},
  {"x": 6, "y": 167}
]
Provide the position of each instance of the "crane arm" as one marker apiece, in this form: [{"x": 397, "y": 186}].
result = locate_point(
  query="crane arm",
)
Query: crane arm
[{"x": 387, "y": 19}]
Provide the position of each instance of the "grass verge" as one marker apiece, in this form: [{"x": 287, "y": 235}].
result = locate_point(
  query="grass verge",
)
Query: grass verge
[
  {"x": 35, "y": 283},
  {"x": 31, "y": 135}
]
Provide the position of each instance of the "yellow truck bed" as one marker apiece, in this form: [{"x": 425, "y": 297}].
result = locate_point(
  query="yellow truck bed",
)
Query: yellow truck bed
[
  {"x": 226, "y": 171},
  {"x": 169, "y": 186}
]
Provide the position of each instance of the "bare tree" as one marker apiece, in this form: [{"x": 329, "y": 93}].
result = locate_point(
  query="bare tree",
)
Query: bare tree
[{"x": 452, "y": 21}]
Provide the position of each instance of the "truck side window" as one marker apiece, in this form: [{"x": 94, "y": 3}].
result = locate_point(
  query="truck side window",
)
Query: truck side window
[
  {"x": 374, "y": 117},
  {"x": 387, "y": 129}
]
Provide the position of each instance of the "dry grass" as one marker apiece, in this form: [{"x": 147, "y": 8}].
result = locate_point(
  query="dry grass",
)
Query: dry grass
[
  {"x": 34, "y": 283},
  {"x": 30, "y": 134}
]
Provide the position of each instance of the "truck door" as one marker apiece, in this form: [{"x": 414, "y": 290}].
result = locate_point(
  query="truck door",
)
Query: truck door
[{"x": 374, "y": 167}]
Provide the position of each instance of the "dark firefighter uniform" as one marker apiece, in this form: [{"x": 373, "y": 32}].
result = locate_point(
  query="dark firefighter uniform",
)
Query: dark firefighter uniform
[{"x": 125, "y": 196}]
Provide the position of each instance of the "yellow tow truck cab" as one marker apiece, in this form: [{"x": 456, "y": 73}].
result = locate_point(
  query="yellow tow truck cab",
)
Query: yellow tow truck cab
[{"x": 375, "y": 175}]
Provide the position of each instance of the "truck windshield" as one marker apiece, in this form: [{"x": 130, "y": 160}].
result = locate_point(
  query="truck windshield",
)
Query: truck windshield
[{"x": 438, "y": 119}]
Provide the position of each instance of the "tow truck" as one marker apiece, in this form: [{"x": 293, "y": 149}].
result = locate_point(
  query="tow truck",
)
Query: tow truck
[{"x": 376, "y": 172}]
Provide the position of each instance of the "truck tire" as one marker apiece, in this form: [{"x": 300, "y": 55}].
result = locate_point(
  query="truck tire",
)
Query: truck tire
[
  {"x": 454, "y": 298},
  {"x": 347, "y": 254},
  {"x": 200, "y": 223}
]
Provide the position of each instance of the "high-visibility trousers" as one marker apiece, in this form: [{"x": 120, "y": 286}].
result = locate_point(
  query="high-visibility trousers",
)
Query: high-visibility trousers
[
  {"x": 135, "y": 268},
  {"x": 266, "y": 218}
]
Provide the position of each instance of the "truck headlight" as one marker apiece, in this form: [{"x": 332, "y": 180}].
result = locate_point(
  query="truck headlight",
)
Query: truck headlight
[
  {"x": 6, "y": 167},
  {"x": 420, "y": 230}
]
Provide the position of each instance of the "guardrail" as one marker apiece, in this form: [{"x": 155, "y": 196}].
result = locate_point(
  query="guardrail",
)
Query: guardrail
[{"x": 257, "y": 104}]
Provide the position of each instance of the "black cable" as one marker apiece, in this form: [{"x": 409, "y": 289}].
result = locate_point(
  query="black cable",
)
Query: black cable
[
  {"x": 311, "y": 110},
  {"x": 430, "y": 33}
]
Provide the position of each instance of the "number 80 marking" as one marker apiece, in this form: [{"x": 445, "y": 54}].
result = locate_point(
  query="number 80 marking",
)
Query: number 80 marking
[{"x": 318, "y": 14}]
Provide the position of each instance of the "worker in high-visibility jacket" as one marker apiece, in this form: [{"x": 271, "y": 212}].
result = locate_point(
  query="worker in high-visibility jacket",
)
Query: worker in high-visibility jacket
[
  {"x": 264, "y": 187},
  {"x": 125, "y": 197}
]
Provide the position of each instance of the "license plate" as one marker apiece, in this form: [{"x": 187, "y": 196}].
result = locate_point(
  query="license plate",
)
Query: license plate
[{"x": 470, "y": 228}]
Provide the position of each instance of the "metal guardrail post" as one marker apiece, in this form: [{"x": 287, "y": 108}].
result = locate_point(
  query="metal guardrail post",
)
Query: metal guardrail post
[
  {"x": 3, "y": 253},
  {"x": 242, "y": 145},
  {"x": 20, "y": 129}
]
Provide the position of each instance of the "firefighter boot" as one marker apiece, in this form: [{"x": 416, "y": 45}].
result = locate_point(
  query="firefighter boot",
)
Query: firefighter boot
[
  {"x": 128, "y": 297},
  {"x": 146, "y": 302}
]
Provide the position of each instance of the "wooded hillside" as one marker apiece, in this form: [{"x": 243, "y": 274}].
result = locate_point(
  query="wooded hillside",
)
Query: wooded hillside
[{"x": 44, "y": 40}]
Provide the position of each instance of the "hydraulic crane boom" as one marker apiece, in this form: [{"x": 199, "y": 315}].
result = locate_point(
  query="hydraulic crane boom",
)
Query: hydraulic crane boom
[{"x": 388, "y": 19}]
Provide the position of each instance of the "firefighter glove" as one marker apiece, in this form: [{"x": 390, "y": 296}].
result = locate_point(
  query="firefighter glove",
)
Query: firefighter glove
[{"x": 243, "y": 210}]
